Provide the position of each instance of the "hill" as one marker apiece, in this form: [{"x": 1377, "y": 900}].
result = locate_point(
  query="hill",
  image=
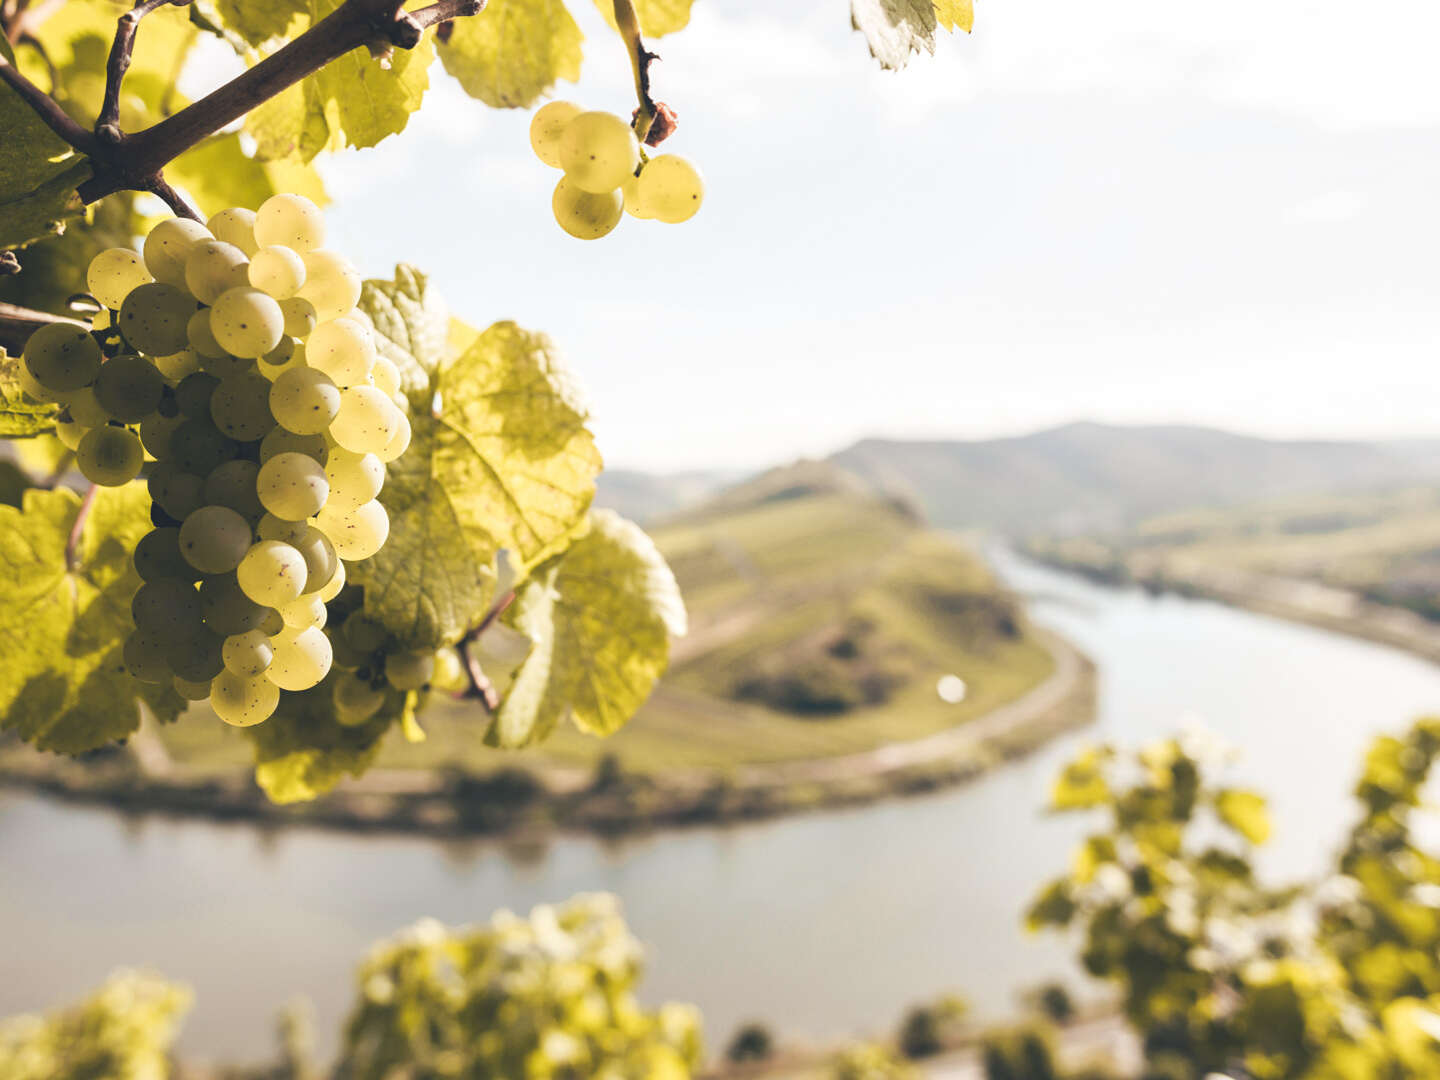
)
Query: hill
[
  {"x": 1086, "y": 476},
  {"x": 644, "y": 497}
]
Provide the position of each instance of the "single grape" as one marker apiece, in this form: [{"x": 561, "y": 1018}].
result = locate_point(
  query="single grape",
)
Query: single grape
[
  {"x": 214, "y": 266},
  {"x": 174, "y": 490},
  {"x": 385, "y": 377},
  {"x": 364, "y": 634},
  {"x": 129, "y": 388},
  {"x": 145, "y": 658},
  {"x": 304, "y": 612},
  {"x": 409, "y": 670},
  {"x": 272, "y": 573},
  {"x": 670, "y": 189},
  {"x": 357, "y": 534},
  {"x": 321, "y": 562},
  {"x": 246, "y": 322},
  {"x": 70, "y": 434},
  {"x": 546, "y": 128},
  {"x": 34, "y": 390},
  {"x": 177, "y": 366},
  {"x": 167, "y": 609},
  {"x": 290, "y": 220},
  {"x": 166, "y": 249},
  {"x": 155, "y": 433},
  {"x": 301, "y": 663},
  {"x": 354, "y": 479},
  {"x": 299, "y": 315},
  {"x": 233, "y": 485},
  {"x": 85, "y": 408},
  {"x": 62, "y": 357},
  {"x": 214, "y": 539},
  {"x": 332, "y": 587},
  {"x": 227, "y": 609},
  {"x": 584, "y": 215},
  {"x": 192, "y": 691},
  {"x": 281, "y": 441},
  {"x": 157, "y": 556},
  {"x": 278, "y": 271},
  {"x": 292, "y": 486},
  {"x": 356, "y": 700},
  {"x": 235, "y": 226},
  {"x": 113, "y": 273},
  {"x": 240, "y": 407},
  {"x": 399, "y": 442},
  {"x": 226, "y": 366},
  {"x": 198, "y": 657},
  {"x": 110, "y": 456},
  {"x": 366, "y": 420},
  {"x": 155, "y": 319},
  {"x": 598, "y": 151},
  {"x": 630, "y": 190},
  {"x": 197, "y": 447},
  {"x": 304, "y": 400},
  {"x": 193, "y": 394},
  {"x": 331, "y": 284},
  {"x": 247, "y": 654},
  {"x": 243, "y": 702},
  {"x": 342, "y": 349}
]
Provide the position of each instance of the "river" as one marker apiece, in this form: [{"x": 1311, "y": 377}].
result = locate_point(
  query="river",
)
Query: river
[{"x": 822, "y": 925}]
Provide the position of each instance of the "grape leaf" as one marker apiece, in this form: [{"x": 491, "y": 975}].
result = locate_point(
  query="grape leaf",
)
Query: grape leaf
[
  {"x": 657, "y": 17},
  {"x": 38, "y": 172},
  {"x": 66, "y": 689},
  {"x": 895, "y": 29},
  {"x": 217, "y": 174},
  {"x": 1244, "y": 811},
  {"x": 514, "y": 51},
  {"x": 19, "y": 416},
  {"x": 502, "y": 460},
  {"x": 303, "y": 751},
  {"x": 260, "y": 21},
  {"x": 601, "y": 617}
]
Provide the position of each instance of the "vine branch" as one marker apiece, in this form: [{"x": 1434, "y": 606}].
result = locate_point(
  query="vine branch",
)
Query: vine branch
[
  {"x": 480, "y": 685},
  {"x": 640, "y": 59},
  {"x": 119, "y": 62}
]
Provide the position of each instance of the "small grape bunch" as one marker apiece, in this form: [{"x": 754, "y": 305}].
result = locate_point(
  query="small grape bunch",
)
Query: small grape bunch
[
  {"x": 607, "y": 174},
  {"x": 233, "y": 355},
  {"x": 371, "y": 665}
]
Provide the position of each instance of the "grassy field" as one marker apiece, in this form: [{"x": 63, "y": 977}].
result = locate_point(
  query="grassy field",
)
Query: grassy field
[{"x": 820, "y": 625}]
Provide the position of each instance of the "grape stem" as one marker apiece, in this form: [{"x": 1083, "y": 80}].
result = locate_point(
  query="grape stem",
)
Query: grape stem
[
  {"x": 77, "y": 530},
  {"x": 640, "y": 60},
  {"x": 481, "y": 687}
]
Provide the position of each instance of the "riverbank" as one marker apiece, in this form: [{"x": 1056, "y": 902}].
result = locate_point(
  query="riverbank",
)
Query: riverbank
[{"x": 606, "y": 800}]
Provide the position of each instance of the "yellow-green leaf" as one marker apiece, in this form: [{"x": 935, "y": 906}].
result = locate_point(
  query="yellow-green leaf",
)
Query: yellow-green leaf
[
  {"x": 217, "y": 174},
  {"x": 657, "y": 17},
  {"x": 1245, "y": 812},
  {"x": 261, "y": 21},
  {"x": 66, "y": 689},
  {"x": 19, "y": 416},
  {"x": 956, "y": 14},
  {"x": 601, "y": 618},
  {"x": 1082, "y": 785},
  {"x": 514, "y": 51},
  {"x": 303, "y": 751},
  {"x": 38, "y": 172},
  {"x": 897, "y": 29}
]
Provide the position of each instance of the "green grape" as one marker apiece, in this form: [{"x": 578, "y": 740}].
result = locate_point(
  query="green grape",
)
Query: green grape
[
  {"x": 193, "y": 394},
  {"x": 386, "y": 377},
  {"x": 357, "y": 534},
  {"x": 449, "y": 671},
  {"x": 547, "y": 126},
  {"x": 113, "y": 273},
  {"x": 240, "y": 407},
  {"x": 597, "y": 151},
  {"x": 247, "y": 654},
  {"x": 192, "y": 691},
  {"x": 145, "y": 658},
  {"x": 342, "y": 349},
  {"x": 304, "y": 400},
  {"x": 290, "y": 220},
  {"x": 155, "y": 319},
  {"x": 356, "y": 700},
  {"x": 321, "y": 562},
  {"x": 287, "y": 356},
  {"x": 354, "y": 479},
  {"x": 197, "y": 332},
  {"x": 168, "y": 246},
  {"x": 409, "y": 670},
  {"x": 302, "y": 662},
  {"x": 630, "y": 190},
  {"x": 292, "y": 486},
  {"x": 243, "y": 702},
  {"x": 272, "y": 573},
  {"x": 167, "y": 609},
  {"x": 70, "y": 434},
  {"x": 155, "y": 433},
  {"x": 331, "y": 284},
  {"x": 399, "y": 442},
  {"x": 364, "y": 634},
  {"x": 214, "y": 539},
  {"x": 197, "y": 658},
  {"x": 299, "y": 315},
  {"x": 337, "y": 580},
  {"x": 278, "y": 271},
  {"x": 226, "y": 608},
  {"x": 583, "y": 215},
  {"x": 85, "y": 409},
  {"x": 129, "y": 388},
  {"x": 157, "y": 556},
  {"x": 246, "y": 322},
  {"x": 233, "y": 485},
  {"x": 198, "y": 448},
  {"x": 304, "y": 612},
  {"x": 174, "y": 490},
  {"x": 177, "y": 366},
  {"x": 214, "y": 266},
  {"x": 226, "y": 366},
  {"x": 671, "y": 189},
  {"x": 235, "y": 226},
  {"x": 110, "y": 456},
  {"x": 62, "y": 357},
  {"x": 34, "y": 390},
  {"x": 366, "y": 420},
  {"x": 271, "y": 527},
  {"x": 281, "y": 441}
]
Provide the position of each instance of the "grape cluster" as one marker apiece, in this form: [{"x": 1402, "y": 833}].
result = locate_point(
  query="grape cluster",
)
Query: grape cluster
[
  {"x": 369, "y": 660},
  {"x": 607, "y": 174},
  {"x": 234, "y": 356}
]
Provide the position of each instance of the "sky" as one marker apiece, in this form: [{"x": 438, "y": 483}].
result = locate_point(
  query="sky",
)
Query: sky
[{"x": 1140, "y": 211}]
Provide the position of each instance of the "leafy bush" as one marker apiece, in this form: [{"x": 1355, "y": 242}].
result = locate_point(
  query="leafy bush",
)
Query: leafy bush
[
  {"x": 870, "y": 1062},
  {"x": 751, "y": 1042}
]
